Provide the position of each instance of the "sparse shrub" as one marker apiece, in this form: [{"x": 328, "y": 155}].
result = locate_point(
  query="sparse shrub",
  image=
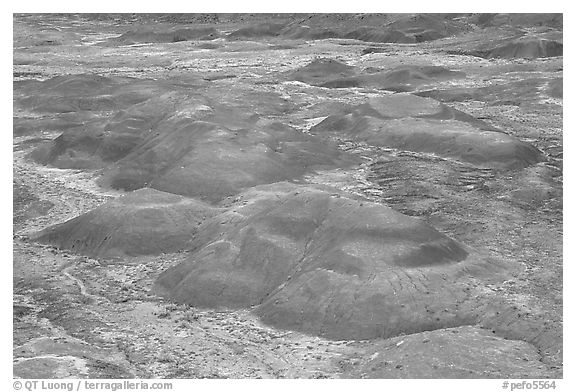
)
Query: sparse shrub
[
  {"x": 165, "y": 357},
  {"x": 191, "y": 316},
  {"x": 164, "y": 313}
]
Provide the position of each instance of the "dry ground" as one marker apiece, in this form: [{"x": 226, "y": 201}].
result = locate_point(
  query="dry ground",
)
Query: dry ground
[{"x": 79, "y": 317}]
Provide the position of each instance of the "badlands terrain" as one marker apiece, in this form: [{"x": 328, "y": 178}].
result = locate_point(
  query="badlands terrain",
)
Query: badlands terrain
[{"x": 287, "y": 196}]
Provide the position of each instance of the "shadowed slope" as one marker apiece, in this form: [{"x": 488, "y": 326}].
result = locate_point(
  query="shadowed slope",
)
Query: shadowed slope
[
  {"x": 146, "y": 221},
  {"x": 317, "y": 261}
]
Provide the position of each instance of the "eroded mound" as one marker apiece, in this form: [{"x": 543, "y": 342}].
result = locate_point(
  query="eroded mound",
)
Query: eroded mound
[
  {"x": 102, "y": 141},
  {"x": 151, "y": 107},
  {"x": 408, "y": 77},
  {"x": 411, "y": 123},
  {"x": 518, "y": 19},
  {"x": 87, "y": 107},
  {"x": 331, "y": 73},
  {"x": 153, "y": 36},
  {"x": 161, "y": 143},
  {"x": 388, "y": 35},
  {"x": 364, "y": 33},
  {"x": 529, "y": 49},
  {"x": 318, "y": 261},
  {"x": 389, "y": 28},
  {"x": 69, "y": 93},
  {"x": 428, "y": 27},
  {"x": 374, "y": 49},
  {"x": 463, "y": 352},
  {"x": 322, "y": 70},
  {"x": 146, "y": 221},
  {"x": 525, "y": 47},
  {"x": 457, "y": 94},
  {"x": 257, "y": 31},
  {"x": 83, "y": 93},
  {"x": 92, "y": 92},
  {"x": 211, "y": 162},
  {"x": 518, "y": 92}
]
